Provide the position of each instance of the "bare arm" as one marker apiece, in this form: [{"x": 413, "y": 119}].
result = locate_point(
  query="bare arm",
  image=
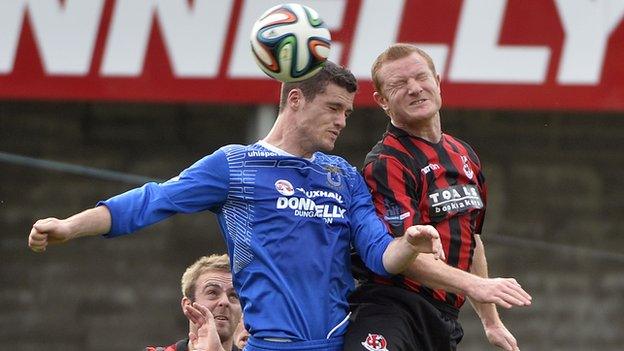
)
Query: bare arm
[
  {"x": 94, "y": 221},
  {"x": 486, "y": 311},
  {"x": 495, "y": 330},
  {"x": 436, "y": 274},
  {"x": 401, "y": 252}
]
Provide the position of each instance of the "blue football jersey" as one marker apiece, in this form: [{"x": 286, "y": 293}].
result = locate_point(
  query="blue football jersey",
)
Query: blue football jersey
[{"x": 289, "y": 224}]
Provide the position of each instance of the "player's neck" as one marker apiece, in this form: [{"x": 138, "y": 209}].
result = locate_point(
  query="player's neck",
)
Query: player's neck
[
  {"x": 430, "y": 129},
  {"x": 285, "y": 137},
  {"x": 227, "y": 345}
]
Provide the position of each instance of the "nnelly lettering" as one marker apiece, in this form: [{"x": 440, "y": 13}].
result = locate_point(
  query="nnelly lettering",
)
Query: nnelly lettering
[
  {"x": 304, "y": 207},
  {"x": 67, "y": 35}
]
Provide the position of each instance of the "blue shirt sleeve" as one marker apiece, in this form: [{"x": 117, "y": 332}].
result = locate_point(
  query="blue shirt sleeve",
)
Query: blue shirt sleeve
[
  {"x": 370, "y": 236},
  {"x": 202, "y": 186}
]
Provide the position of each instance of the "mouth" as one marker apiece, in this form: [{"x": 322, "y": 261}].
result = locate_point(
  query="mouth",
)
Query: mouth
[
  {"x": 418, "y": 102},
  {"x": 221, "y": 318}
]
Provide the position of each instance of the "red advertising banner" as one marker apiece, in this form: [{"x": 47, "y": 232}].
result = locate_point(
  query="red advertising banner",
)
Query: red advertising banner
[{"x": 511, "y": 54}]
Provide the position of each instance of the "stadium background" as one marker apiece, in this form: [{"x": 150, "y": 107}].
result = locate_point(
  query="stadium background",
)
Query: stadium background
[{"x": 555, "y": 166}]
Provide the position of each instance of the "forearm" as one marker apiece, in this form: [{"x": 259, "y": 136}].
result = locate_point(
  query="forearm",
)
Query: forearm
[
  {"x": 487, "y": 311},
  {"x": 94, "y": 221},
  {"x": 436, "y": 274},
  {"x": 398, "y": 255}
]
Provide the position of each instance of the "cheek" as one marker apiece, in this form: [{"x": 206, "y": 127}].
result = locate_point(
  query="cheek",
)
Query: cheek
[{"x": 206, "y": 302}]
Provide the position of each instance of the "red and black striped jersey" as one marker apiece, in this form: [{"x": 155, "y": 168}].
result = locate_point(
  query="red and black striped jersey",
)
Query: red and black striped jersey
[{"x": 413, "y": 181}]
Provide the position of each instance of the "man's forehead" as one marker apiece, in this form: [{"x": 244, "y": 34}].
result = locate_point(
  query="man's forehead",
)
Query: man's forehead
[
  {"x": 220, "y": 278},
  {"x": 398, "y": 67},
  {"x": 336, "y": 93}
]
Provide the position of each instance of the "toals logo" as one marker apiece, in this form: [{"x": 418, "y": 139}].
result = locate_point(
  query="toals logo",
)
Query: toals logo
[
  {"x": 454, "y": 199},
  {"x": 284, "y": 187},
  {"x": 375, "y": 342}
]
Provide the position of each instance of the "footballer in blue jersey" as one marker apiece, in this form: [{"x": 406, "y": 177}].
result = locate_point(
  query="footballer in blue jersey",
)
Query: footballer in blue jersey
[
  {"x": 289, "y": 214},
  {"x": 289, "y": 224}
]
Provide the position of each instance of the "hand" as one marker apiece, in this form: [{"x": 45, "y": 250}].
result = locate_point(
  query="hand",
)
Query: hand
[
  {"x": 48, "y": 231},
  {"x": 206, "y": 338},
  {"x": 425, "y": 239},
  {"x": 499, "y": 336},
  {"x": 505, "y": 292}
]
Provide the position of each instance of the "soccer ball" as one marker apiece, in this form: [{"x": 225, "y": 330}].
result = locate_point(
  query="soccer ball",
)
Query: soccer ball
[{"x": 290, "y": 42}]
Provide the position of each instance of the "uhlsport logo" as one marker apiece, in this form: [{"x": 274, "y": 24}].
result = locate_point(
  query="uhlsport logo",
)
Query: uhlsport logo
[
  {"x": 284, "y": 187},
  {"x": 375, "y": 342}
]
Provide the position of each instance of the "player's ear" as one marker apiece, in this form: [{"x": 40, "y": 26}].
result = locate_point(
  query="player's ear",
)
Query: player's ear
[
  {"x": 185, "y": 302},
  {"x": 381, "y": 101},
  {"x": 295, "y": 98}
]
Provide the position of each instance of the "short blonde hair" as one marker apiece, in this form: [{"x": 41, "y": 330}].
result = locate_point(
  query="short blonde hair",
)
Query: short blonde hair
[
  {"x": 202, "y": 265},
  {"x": 393, "y": 53}
]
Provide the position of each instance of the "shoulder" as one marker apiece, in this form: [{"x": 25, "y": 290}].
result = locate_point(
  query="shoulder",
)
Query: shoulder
[
  {"x": 469, "y": 149},
  {"x": 333, "y": 162},
  {"x": 455, "y": 139},
  {"x": 234, "y": 149},
  {"x": 389, "y": 147}
]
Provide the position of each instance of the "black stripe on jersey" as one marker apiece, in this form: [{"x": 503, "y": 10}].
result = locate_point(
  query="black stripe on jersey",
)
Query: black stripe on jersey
[
  {"x": 455, "y": 227},
  {"x": 411, "y": 186},
  {"x": 454, "y": 247},
  {"x": 473, "y": 243},
  {"x": 423, "y": 161}
]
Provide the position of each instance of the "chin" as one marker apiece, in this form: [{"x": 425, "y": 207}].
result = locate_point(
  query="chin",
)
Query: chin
[
  {"x": 225, "y": 333},
  {"x": 326, "y": 147}
]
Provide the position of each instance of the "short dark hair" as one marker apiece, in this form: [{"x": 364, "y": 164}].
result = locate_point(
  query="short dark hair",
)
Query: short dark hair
[{"x": 330, "y": 73}]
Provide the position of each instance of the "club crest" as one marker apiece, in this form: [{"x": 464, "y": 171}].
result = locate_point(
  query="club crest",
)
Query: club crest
[
  {"x": 375, "y": 342},
  {"x": 467, "y": 170},
  {"x": 333, "y": 176}
]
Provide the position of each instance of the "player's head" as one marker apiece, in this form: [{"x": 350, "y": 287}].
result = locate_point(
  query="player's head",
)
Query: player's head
[
  {"x": 393, "y": 53},
  {"x": 317, "y": 84},
  {"x": 208, "y": 281},
  {"x": 406, "y": 83},
  {"x": 317, "y": 108}
]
